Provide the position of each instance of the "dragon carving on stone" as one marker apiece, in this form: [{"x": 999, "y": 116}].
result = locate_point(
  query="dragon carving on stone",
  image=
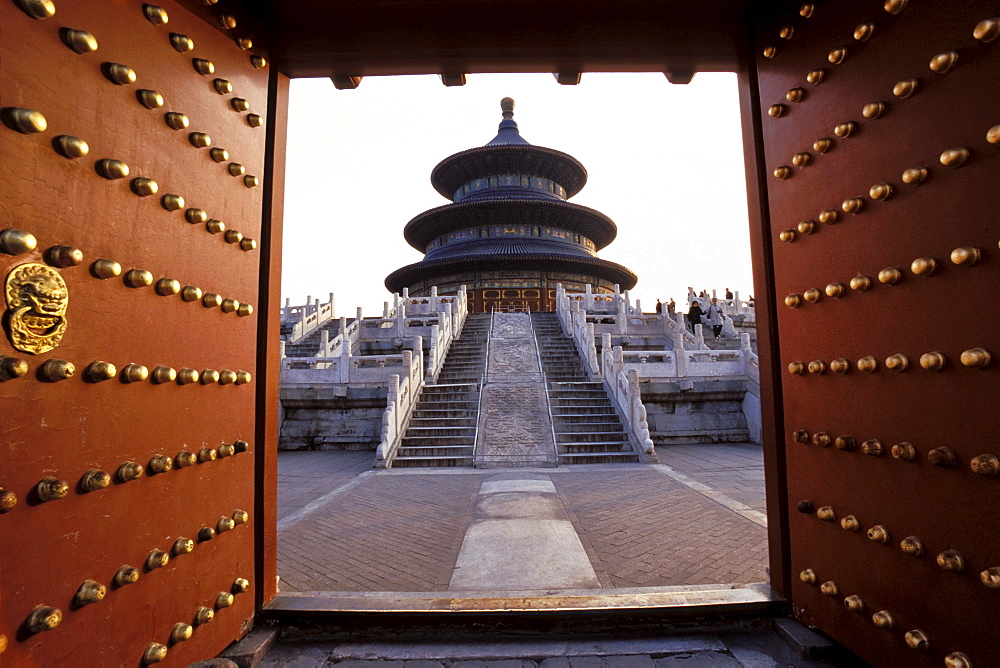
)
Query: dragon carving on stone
[{"x": 36, "y": 307}]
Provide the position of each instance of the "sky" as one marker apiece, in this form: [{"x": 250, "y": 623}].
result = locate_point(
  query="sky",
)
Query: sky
[{"x": 665, "y": 162}]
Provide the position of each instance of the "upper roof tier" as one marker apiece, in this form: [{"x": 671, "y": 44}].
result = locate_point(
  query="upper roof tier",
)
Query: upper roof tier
[{"x": 508, "y": 153}]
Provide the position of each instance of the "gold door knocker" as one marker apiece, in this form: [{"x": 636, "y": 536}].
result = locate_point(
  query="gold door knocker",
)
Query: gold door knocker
[{"x": 36, "y": 307}]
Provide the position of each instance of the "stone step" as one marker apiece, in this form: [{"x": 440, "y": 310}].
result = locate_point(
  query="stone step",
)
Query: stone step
[
  {"x": 449, "y": 396},
  {"x": 406, "y": 462},
  {"x": 436, "y": 451},
  {"x": 443, "y": 414},
  {"x": 616, "y": 436},
  {"x": 567, "y": 427},
  {"x": 470, "y": 401},
  {"x": 436, "y": 441},
  {"x": 440, "y": 430},
  {"x": 598, "y": 458},
  {"x": 579, "y": 448},
  {"x": 571, "y": 393},
  {"x": 596, "y": 411},
  {"x": 443, "y": 423}
]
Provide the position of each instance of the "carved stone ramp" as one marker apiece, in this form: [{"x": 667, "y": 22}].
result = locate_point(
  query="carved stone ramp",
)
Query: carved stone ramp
[{"x": 514, "y": 425}]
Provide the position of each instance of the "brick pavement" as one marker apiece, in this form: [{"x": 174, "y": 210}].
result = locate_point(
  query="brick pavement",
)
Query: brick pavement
[
  {"x": 306, "y": 475},
  {"x": 389, "y": 533},
  {"x": 735, "y": 469},
  {"x": 402, "y": 531},
  {"x": 643, "y": 529}
]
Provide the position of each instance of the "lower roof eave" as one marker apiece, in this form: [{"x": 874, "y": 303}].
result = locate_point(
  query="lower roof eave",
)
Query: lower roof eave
[{"x": 595, "y": 267}]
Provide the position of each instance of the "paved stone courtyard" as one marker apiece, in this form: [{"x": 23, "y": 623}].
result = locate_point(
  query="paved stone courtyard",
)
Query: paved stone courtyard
[{"x": 695, "y": 519}]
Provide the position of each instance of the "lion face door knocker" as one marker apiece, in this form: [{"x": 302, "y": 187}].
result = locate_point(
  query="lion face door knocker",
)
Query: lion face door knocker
[{"x": 36, "y": 307}]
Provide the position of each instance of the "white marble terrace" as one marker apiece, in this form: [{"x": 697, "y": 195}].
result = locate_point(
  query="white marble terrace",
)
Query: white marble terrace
[{"x": 424, "y": 327}]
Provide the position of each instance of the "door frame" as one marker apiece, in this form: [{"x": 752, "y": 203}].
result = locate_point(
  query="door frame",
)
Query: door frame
[{"x": 268, "y": 370}]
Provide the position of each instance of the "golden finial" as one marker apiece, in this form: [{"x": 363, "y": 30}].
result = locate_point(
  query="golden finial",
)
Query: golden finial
[{"x": 507, "y": 106}]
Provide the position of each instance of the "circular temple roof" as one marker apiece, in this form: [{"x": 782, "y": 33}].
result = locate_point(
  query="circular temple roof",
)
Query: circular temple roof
[
  {"x": 508, "y": 153},
  {"x": 483, "y": 161},
  {"x": 506, "y": 210}
]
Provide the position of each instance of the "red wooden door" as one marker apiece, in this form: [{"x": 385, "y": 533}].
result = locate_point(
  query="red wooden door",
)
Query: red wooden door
[
  {"x": 131, "y": 163},
  {"x": 880, "y": 128}
]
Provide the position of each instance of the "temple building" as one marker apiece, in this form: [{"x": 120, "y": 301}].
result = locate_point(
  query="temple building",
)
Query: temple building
[{"x": 509, "y": 233}]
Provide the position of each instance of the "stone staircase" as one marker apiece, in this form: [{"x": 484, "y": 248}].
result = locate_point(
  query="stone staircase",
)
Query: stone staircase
[
  {"x": 442, "y": 428},
  {"x": 310, "y": 344},
  {"x": 587, "y": 428}
]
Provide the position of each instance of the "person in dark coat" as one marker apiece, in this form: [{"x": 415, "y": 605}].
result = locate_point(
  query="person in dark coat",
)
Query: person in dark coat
[
  {"x": 671, "y": 306},
  {"x": 659, "y": 306},
  {"x": 694, "y": 315}
]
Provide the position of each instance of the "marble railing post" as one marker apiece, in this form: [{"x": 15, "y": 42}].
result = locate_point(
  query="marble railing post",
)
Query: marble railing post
[
  {"x": 699, "y": 337},
  {"x": 591, "y": 349},
  {"x": 418, "y": 351},
  {"x": 392, "y": 403},
  {"x": 621, "y": 315},
  {"x": 345, "y": 359},
  {"x": 433, "y": 364},
  {"x": 745, "y": 352},
  {"x": 281, "y": 349},
  {"x": 342, "y": 333},
  {"x": 385, "y": 310},
  {"x": 324, "y": 348},
  {"x": 401, "y": 314},
  {"x": 681, "y": 354}
]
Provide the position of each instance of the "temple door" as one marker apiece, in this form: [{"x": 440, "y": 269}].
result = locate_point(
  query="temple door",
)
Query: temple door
[
  {"x": 879, "y": 127},
  {"x": 132, "y": 186}
]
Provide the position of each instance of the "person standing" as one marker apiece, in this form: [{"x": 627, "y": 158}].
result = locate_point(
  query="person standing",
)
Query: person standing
[
  {"x": 729, "y": 295},
  {"x": 694, "y": 315},
  {"x": 659, "y": 306},
  {"x": 671, "y": 306},
  {"x": 715, "y": 317}
]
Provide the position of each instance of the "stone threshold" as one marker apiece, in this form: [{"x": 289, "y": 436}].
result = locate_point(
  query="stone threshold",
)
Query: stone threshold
[{"x": 720, "y": 599}]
